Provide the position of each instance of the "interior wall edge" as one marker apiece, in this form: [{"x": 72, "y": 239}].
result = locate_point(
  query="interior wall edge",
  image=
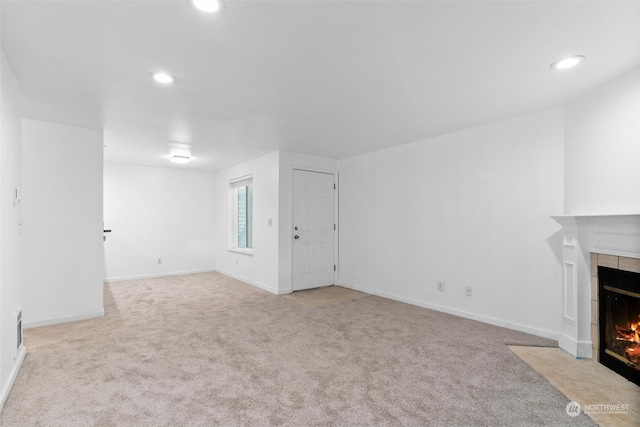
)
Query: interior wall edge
[{"x": 6, "y": 388}]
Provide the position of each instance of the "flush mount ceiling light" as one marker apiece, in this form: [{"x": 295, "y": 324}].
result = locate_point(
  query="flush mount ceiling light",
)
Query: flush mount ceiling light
[
  {"x": 209, "y": 6},
  {"x": 180, "y": 159},
  {"x": 164, "y": 78},
  {"x": 568, "y": 62}
]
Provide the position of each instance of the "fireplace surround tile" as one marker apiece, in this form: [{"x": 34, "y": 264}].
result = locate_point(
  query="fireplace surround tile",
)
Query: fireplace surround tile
[
  {"x": 594, "y": 264},
  {"x": 629, "y": 264},
  {"x": 610, "y": 261},
  {"x": 595, "y": 330}
]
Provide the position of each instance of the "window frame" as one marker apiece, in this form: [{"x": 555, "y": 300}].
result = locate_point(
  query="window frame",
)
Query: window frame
[{"x": 234, "y": 185}]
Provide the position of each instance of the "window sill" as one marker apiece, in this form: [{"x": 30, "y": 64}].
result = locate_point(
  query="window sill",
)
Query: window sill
[{"x": 242, "y": 251}]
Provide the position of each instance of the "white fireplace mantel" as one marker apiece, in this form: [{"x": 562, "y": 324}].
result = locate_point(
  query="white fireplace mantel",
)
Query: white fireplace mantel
[{"x": 584, "y": 234}]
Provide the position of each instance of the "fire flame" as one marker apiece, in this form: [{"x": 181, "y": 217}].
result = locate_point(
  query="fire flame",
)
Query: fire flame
[{"x": 631, "y": 332}]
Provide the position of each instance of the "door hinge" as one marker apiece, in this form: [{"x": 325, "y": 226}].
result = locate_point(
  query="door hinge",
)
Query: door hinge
[
  {"x": 334, "y": 186},
  {"x": 334, "y": 226},
  {"x": 334, "y": 267}
]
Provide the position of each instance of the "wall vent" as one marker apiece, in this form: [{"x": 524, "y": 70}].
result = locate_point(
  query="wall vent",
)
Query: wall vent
[{"x": 18, "y": 333}]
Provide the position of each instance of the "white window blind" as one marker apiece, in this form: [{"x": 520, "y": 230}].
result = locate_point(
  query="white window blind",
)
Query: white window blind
[{"x": 241, "y": 190}]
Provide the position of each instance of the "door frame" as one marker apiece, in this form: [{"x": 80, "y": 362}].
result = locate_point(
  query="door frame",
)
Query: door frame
[{"x": 335, "y": 218}]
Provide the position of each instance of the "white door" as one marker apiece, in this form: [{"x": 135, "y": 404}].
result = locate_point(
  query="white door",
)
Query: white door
[{"x": 314, "y": 224}]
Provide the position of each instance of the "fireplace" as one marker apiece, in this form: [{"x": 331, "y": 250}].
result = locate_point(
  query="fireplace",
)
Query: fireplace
[
  {"x": 590, "y": 242},
  {"x": 619, "y": 320}
]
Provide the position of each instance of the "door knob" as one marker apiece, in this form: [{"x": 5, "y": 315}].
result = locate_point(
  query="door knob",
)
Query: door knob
[{"x": 296, "y": 237}]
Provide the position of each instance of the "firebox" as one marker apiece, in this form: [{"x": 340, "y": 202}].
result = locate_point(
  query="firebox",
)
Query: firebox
[{"x": 619, "y": 320}]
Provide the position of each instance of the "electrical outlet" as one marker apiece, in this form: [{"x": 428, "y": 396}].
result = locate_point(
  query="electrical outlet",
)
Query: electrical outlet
[
  {"x": 159, "y": 260},
  {"x": 468, "y": 291},
  {"x": 441, "y": 286}
]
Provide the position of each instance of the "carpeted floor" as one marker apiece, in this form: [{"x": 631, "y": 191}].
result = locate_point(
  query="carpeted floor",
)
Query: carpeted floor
[{"x": 204, "y": 349}]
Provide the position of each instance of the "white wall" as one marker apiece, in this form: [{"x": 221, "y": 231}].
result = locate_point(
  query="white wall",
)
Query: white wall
[
  {"x": 602, "y": 157},
  {"x": 288, "y": 162},
  {"x": 157, "y": 213},
  {"x": 261, "y": 267},
  {"x": 62, "y": 222},
  {"x": 10, "y": 241},
  {"x": 469, "y": 208},
  {"x": 269, "y": 267}
]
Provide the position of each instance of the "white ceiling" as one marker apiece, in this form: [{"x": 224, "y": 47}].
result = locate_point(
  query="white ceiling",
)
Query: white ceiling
[{"x": 327, "y": 78}]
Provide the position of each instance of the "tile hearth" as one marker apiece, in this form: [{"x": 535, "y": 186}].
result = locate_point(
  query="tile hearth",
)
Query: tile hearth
[{"x": 586, "y": 382}]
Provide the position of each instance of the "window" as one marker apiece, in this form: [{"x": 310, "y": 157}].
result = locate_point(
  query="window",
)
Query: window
[{"x": 242, "y": 214}]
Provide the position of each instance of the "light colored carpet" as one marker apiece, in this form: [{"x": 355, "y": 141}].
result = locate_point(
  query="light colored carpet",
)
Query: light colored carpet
[{"x": 204, "y": 349}]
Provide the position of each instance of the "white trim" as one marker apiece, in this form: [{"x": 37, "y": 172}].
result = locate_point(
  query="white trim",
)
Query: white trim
[
  {"x": 569, "y": 288},
  {"x": 48, "y": 322},
  {"x": 606, "y": 234},
  {"x": 461, "y": 313},
  {"x": 241, "y": 181},
  {"x": 597, "y": 217},
  {"x": 251, "y": 282},
  {"x": 577, "y": 349},
  {"x": 13, "y": 374},
  {"x": 151, "y": 276},
  {"x": 246, "y": 251},
  {"x": 310, "y": 169}
]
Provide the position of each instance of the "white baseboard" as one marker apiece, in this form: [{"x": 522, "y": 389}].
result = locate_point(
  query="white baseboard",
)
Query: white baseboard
[
  {"x": 461, "y": 313},
  {"x": 48, "y": 322},
  {"x": 6, "y": 387},
  {"x": 578, "y": 349},
  {"x": 251, "y": 282},
  {"x": 151, "y": 276}
]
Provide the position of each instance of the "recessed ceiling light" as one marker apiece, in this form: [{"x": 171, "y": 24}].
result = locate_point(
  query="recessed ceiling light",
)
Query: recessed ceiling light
[
  {"x": 209, "y": 6},
  {"x": 163, "y": 78},
  {"x": 180, "y": 159},
  {"x": 568, "y": 62}
]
